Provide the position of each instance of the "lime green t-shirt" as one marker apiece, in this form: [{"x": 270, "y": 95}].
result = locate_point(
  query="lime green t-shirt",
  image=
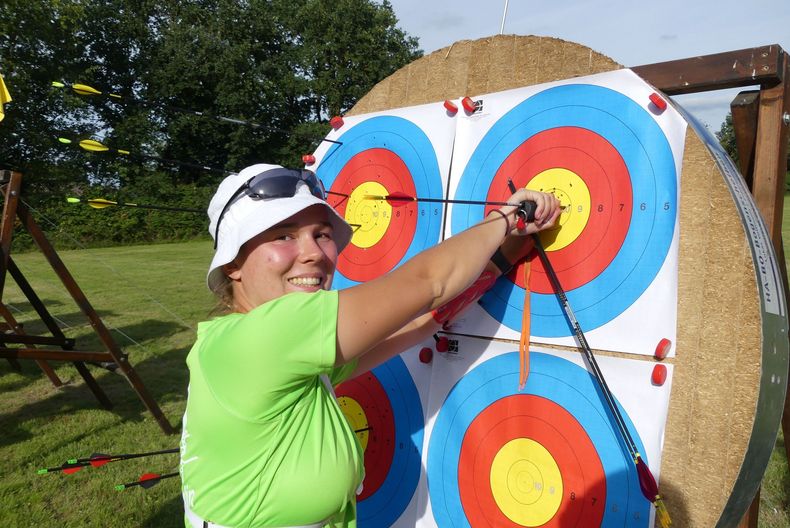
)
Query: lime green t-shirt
[{"x": 264, "y": 442}]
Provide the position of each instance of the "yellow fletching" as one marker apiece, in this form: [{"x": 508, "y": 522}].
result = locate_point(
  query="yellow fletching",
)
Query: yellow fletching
[
  {"x": 93, "y": 146},
  {"x": 84, "y": 89},
  {"x": 662, "y": 515},
  {"x": 100, "y": 203},
  {"x": 58, "y": 84},
  {"x": 123, "y": 151}
]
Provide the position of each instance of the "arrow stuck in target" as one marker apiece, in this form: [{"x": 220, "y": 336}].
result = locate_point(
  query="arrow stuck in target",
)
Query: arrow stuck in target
[{"x": 399, "y": 199}]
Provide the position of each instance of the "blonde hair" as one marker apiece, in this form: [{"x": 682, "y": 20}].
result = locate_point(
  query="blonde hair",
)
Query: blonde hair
[{"x": 224, "y": 297}]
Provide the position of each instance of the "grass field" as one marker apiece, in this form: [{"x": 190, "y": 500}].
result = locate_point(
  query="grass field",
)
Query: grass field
[{"x": 151, "y": 297}]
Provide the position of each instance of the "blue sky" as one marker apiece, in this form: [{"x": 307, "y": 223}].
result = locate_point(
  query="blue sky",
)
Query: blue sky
[{"x": 630, "y": 32}]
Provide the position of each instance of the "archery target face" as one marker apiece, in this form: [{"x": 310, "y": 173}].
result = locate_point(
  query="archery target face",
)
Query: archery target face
[
  {"x": 402, "y": 151},
  {"x": 384, "y": 409},
  {"x": 614, "y": 166},
  {"x": 549, "y": 455}
]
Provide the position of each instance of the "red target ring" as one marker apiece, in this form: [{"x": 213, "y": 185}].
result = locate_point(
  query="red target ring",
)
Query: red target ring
[
  {"x": 602, "y": 169},
  {"x": 367, "y": 391},
  {"x": 546, "y": 423},
  {"x": 386, "y": 168}
]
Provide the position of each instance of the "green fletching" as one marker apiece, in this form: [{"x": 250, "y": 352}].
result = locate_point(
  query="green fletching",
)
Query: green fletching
[
  {"x": 120, "y": 487},
  {"x": 64, "y": 140},
  {"x": 42, "y": 471},
  {"x": 57, "y": 84},
  {"x": 73, "y": 200}
]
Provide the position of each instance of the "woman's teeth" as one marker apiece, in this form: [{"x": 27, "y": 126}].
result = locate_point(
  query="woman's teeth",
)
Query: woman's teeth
[{"x": 305, "y": 281}]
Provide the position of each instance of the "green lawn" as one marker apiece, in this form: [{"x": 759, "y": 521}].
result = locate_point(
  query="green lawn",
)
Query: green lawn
[{"x": 151, "y": 297}]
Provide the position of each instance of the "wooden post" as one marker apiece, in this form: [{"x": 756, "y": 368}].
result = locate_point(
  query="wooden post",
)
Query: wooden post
[
  {"x": 745, "y": 108},
  {"x": 770, "y": 168},
  {"x": 765, "y": 149},
  {"x": 15, "y": 208}
]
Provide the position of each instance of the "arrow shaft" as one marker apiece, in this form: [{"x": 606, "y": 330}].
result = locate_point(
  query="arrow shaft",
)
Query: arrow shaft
[
  {"x": 435, "y": 200},
  {"x": 124, "y": 456},
  {"x": 97, "y": 147},
  {"x": 161, "y": 207},
  {"x": 117, "y": 98},
  {"x": 147, "y": 482},
  {"x": 172, "y": 161}
]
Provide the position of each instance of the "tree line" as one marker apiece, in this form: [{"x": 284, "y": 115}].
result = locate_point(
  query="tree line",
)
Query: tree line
[{"x": 286, "y": 65}]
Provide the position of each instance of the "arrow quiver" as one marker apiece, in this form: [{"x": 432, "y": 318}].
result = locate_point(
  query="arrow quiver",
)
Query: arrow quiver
[{"x": 15, "y": 344}]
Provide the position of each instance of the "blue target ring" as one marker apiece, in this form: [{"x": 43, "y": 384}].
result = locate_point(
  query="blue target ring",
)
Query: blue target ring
[
  {"x": 409, "y": 143},
  {"x": 648, "y": 157},
  {"x": 568, "y": 386},
  {"x": 389, "y": 501}
]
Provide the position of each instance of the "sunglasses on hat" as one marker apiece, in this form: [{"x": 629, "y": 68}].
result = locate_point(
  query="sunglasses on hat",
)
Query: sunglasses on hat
[{"x": 274, "y": 183}]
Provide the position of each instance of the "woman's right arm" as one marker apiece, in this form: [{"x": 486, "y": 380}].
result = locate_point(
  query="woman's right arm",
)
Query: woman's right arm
[{"x": 371, "y": 312}]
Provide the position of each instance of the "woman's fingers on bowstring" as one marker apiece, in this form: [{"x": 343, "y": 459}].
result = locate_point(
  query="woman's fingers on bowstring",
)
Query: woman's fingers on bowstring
[
  {"x": 547, "y": 216},
  {"x": 546, "y": 211}
]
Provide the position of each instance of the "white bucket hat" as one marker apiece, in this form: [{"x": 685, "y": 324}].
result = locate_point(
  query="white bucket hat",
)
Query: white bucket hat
[{"x": 247, "y": 217}]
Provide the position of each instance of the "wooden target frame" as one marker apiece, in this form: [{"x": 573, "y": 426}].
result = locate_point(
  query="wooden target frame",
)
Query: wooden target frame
[
  {"x": 730, "y": 368},
  {"x": 16, "y": 344}
]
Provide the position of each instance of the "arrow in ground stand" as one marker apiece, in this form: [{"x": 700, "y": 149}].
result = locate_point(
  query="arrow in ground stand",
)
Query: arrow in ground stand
[{"x": 91, "y": 145}]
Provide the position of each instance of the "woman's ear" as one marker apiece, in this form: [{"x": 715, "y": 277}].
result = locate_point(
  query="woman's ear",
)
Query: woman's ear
[{"x": 232, "y": 270}]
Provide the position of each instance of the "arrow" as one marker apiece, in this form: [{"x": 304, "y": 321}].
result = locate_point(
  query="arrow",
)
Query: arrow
[
  {"x": 86, "y": 90},
  {"x": 147, "y": 480},
  {"x": 399, "y": 199},
  {"x": 101, "y": 203},
  {"x": 66, "y": 468},
  {"x": 91, "y": 145},
  {"x": 99, "y": 459}
]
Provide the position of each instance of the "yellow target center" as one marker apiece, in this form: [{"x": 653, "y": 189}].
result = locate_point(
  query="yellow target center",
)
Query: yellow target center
[
  {"x": 526, "y": 482},
  {"x": 372, "y": 216},
  {"x": 573, "y": 195},
  {"x": 355, "y": 415}
]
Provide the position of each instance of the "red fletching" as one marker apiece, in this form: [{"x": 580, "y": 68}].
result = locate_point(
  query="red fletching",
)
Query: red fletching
[
  {"x": 646, "y": 480},
  {"x": 451, "y": 107},
  {"x": 71, "y": 469},
  {"x": 399, "y": 199},
  {"x": 468, "y": 104},
  {"x": 99, "y": 459},
  {"x": 336, "y": 122},
  {"x": 150, "y": 479},
  {"x": 308, "y": 159},
  {"x": 521, "y": 225}
]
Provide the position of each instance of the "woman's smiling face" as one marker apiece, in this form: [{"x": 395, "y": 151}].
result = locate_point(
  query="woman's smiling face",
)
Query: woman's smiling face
[{"x": 297, "y": 255}]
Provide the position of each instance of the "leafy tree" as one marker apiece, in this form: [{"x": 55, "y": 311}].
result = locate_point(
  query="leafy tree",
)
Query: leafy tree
[
  {"x": 346, "y": 46},
  {"x": 287, "y": 65},
  {"x": 726, "y": 137}
]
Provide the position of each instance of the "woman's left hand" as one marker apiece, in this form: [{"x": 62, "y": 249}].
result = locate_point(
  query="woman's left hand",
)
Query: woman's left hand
[{"x": 516, "y": 246}]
